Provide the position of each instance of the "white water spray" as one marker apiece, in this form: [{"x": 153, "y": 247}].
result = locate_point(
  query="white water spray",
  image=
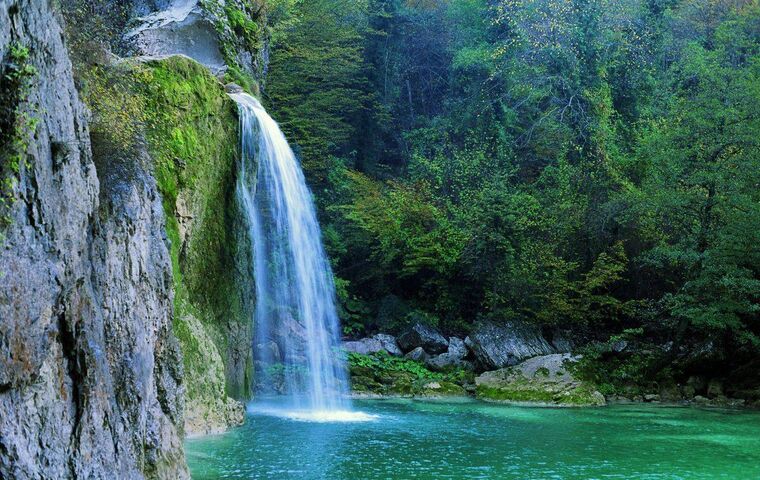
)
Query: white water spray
[{"x": 296, "y": 325}]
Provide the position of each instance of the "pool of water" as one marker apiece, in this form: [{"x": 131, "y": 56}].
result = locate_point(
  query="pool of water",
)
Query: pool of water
[{"x": 399, "y": 439}]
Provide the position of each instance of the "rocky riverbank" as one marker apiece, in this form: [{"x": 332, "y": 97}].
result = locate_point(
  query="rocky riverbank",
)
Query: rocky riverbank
[{"x": 506, "y": 363}]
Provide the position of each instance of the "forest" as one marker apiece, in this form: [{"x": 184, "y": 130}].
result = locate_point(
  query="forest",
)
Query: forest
[{"x": 587, "y": 165}]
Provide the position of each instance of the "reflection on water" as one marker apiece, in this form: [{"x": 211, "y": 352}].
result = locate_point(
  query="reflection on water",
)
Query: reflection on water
[{"x": 470, "y": 440}]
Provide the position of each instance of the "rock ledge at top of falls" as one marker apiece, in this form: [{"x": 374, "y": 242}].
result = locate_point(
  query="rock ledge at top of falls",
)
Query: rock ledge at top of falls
[
  {"x": 544, "y": 380},
  {"x": 181, "y": 28},
  {"x": 506, "y": 344},
  {"x": 419, "y": 335},
  {"x": 216, "y": 33}
]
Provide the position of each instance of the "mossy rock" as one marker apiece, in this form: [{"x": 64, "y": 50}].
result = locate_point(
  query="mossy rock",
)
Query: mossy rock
[
  {"x": 402, "y": 386},
  {"x": 381, "y": 374},
  {"x": 541, "y": 380}
]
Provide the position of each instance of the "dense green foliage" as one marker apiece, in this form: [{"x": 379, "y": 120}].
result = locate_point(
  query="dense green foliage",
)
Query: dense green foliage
[
  {"x": 383, "y": 374},
  {"x": 589, "y": 164}
]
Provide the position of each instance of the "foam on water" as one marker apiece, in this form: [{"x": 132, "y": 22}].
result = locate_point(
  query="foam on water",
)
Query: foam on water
[{"x": 315, "y": 416}]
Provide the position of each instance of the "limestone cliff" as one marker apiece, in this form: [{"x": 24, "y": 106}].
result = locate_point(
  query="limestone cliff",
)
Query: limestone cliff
[
  {"x": 124, "y": 316},
  {"x": 89, "y": 369}
]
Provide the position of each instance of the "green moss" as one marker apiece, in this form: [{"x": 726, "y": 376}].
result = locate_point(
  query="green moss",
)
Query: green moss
[
  {"x": 240, "y": 27},
  {"x": 514, "y": 394},
  {"x": 441, "y": 389}
]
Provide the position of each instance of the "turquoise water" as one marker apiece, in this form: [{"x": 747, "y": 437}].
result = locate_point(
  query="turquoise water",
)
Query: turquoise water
[{"x": 470, "y": 440}]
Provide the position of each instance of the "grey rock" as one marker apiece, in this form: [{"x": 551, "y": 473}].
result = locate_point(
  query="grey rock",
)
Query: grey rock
[
  {"x": 85, "y": 296},
  {"x": 619, "y": 346},
  {"x": 445, "y": 361},
  {"x": 198, "y": 29},
  {"x": 453, "y": 358},
  {"x": 377, "y": 343},
  {"x": 418, "y": 355},
  {"x": 181, "y": 28},
  {"x": 507, "y": 344},
  {"x": 388, "y": 343},
  {"x": 420, "y": 335},
  {"x": 651, "y": 397},
  {"x": 457, "y": 348}
]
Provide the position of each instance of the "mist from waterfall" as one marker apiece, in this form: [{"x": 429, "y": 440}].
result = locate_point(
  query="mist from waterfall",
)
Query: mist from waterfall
[{"x": 296, "y": 325}]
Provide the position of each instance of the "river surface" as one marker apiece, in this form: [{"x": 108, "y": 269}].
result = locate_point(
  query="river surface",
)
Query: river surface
[{"x": 400, "y": 439}]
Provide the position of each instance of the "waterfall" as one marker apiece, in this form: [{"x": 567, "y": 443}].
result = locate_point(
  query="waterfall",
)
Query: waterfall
[{"x": 296, "y": 325}]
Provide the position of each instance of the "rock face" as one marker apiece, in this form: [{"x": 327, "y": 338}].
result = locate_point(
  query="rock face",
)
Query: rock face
[
  {"x": 90, "y": 373},
  {"x": 420, "y": 335},
  {"x": 374, "y": 344},
  {"x": 541, "y": 380},
  {"x": 507, "y": 344}
]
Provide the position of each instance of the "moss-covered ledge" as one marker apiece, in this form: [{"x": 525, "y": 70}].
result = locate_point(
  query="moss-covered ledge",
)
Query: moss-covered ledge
[{"x": 192, "y": 134}]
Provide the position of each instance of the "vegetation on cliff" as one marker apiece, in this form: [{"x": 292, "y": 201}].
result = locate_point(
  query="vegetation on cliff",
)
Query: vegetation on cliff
[{"x": 181, "y": 113}]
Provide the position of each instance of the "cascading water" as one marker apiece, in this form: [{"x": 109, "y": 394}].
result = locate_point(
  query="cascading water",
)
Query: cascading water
[{"x": 296, "y": 323}]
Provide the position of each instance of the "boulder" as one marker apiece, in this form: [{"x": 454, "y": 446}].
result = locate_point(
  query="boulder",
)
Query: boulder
[
  {"x": 441, "y": 389},
  {"x": 457, "y": 347},
  {"x": 506, "y": 344},
  {"x": 418, "y": 355},
  {"x": 543, "y": 380},
  {"x": 182, "y": 28},
  {"x": 453, "y": 358},
  {"x": 423, "y": 336},
  {"x": 389, "y": 344},
  {"x": 375, "y": 344}
]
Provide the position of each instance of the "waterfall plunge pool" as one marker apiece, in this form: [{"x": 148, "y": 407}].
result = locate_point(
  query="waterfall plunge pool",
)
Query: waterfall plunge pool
[{"x": 467, "y": 439}]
